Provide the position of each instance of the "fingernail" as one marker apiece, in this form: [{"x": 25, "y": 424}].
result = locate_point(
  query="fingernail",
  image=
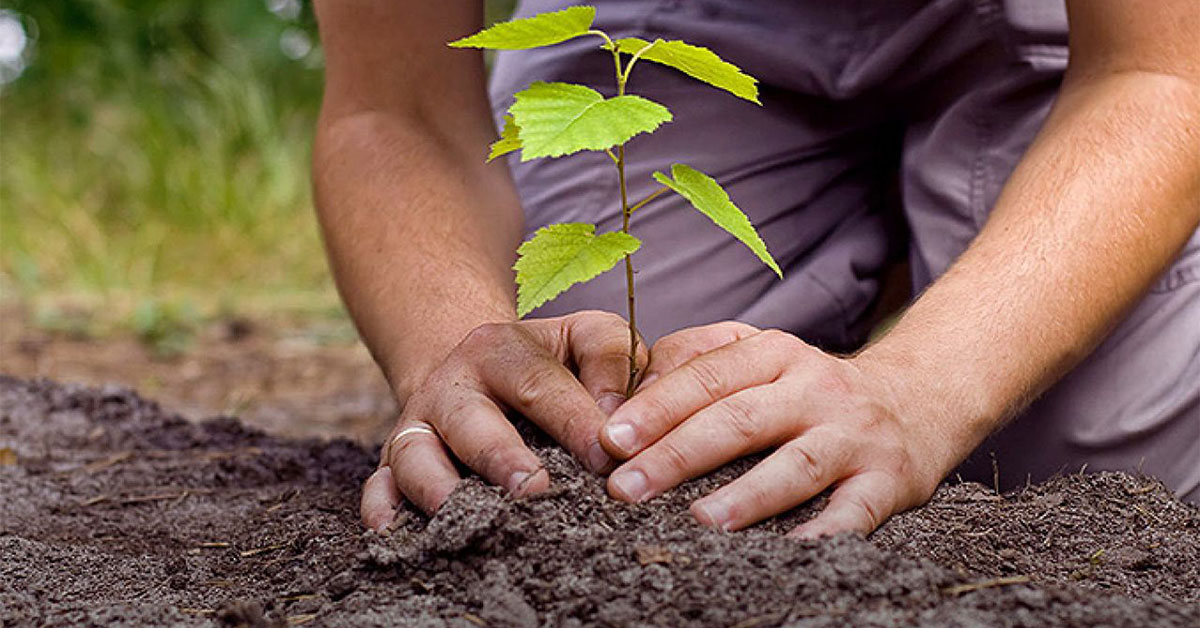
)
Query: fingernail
[
  {"x": 805, "y": 533},
  {"x": 609, "y": 402},
  {"x": 714, "y": 513},
  {"x": 598, "y": 460},
  {"x": 622, "y": 436},
  {"x": 383, "y": 526},
  {"x": 517, "y": 481},
  {"x": 632, "y": 484}
]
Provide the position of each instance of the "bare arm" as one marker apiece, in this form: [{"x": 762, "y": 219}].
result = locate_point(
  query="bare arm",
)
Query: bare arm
[
  {"x": 1097, "y": 209},
  {"x": 421, "y": 235},
  {"x": 1099, "y": 206},
  {"x": 420, "y": 231}
]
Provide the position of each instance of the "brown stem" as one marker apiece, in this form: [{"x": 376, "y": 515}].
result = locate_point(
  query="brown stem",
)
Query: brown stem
[
  {"x": 633, "y": 336},
  {"x": 626, "y": 210},
  {"x": 653, "y": 195}
]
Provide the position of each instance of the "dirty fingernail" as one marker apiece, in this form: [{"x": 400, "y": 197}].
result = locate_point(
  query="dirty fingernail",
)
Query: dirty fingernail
[
  {"x": 517, "y": 481},
  {"x": 713, "y": 513},
  {"x": 622, "y": 436},
  {"x": 382, "y": 526},
  {"x": 632, "y": 484},
  {"x": 598, "y": 460},
  {"x": 805, "y": 533},
  {"x": 609, "y": 402}
]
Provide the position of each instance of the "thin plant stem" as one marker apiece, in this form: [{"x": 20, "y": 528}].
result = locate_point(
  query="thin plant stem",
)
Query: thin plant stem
[
  {"x": 653, "y": 195},
  {"x": 633, "y": 336},
  {"x": 626, "y": 211}
]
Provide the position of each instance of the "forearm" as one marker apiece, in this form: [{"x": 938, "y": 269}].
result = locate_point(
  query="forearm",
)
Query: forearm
[
  {"x": 1100, "y": 205},
  {"x": 420, "y": 234}
]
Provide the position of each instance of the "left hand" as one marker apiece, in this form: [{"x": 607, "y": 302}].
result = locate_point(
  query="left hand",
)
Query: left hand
[{"x": 716, "y": 393}]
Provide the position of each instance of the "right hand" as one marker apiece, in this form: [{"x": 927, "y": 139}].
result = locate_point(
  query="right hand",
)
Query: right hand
[{"x": 525, "y": 366}]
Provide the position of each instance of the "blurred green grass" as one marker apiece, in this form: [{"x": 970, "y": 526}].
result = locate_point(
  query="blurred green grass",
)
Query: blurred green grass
[{"x": 157, "y": 152}]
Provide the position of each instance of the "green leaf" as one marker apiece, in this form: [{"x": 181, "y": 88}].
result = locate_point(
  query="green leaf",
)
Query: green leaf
[
  {"x": 556, "y": 119},
  {"x": 508, "y": 141},
  {"x": 560, "y": 256},
  {"x": 532, "y": 32},
  {"x": 706, "y": 195},
  {"x": 697, "y": 62}
]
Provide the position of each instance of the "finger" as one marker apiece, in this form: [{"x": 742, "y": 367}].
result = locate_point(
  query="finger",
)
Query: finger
[
  {"x": 420, "y": 468},
  {"x": 860, "y": 504},
  {"x": 479, "y": 434},
  {"x": 599, "y": 343},
  {"x": 793, "y": 474},
  {"x": 672, "y": 350},
  {"x": 531, "y": 378},
  {"x": 696, "y": 384},
  {"x": 379, "y": 500},
  {"x": 742, "y": 423}
]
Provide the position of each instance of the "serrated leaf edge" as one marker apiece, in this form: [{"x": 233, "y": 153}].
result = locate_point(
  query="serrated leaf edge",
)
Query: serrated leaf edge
[{"x": 672, "y": 183}]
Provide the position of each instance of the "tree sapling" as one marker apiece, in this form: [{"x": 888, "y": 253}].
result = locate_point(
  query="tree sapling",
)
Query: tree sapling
[{"x": 557, "y": 119}]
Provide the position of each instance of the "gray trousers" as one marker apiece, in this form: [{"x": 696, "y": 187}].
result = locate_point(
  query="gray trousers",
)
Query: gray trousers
[{"x": 888, "y": 127}]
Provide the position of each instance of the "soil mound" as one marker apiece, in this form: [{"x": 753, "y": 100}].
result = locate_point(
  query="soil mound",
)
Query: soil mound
[{"x": 113, "y": 511}]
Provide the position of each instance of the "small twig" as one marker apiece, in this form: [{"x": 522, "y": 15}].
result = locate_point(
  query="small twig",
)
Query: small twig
[
  {"x": 761, "y": 620},
  {"x": 1142, "y": 509},
  {"x": 261, "y": 550},
  {"x": 995, "y": 473},
  {"x": 215, "y": 545},
  {"x": 281, "y": 559},
  {"x": 197, "y": 611},
  {"x": 985, "y": 584},
  {"x": 474, "y": 619},
  {"x": 107, "y": 462},
  {"x": 296, "y": 620},
  {"x": 159, "y": 497}
]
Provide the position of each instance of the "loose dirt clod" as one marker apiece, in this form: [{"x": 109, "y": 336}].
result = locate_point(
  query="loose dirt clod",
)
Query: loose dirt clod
[{"x": 270, "y": 537}]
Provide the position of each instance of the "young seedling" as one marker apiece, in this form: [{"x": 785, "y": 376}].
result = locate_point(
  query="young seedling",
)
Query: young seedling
[{"x": 557, "y": 119}]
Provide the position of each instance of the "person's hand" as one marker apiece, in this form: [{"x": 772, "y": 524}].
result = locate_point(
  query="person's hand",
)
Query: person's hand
[
  {"x": 459, "y": 411},
  {"x": 716, "y": 393}
]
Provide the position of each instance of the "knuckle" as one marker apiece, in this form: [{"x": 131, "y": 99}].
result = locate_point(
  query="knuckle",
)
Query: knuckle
[
  {"x": 532, "y": 386},
  {"x": 830, "y": 379},
  {"x": 802, "y": 462},
  {"x": 654, "y": 412},
  {"x": 755, "y": 497},
  {"x": 597, "y": 320},
  {"x": 706, "y": 375},
  {"x": 736, "y": 328},
  {"x": 778, "y": 337},
  {"x": 575, "y": 433},
  {"x": 487, "y": 335},
  {"x": 674, "y": 458},
  {"x": 666, "y": 346},
  {"x": 874, "y": 416},
  {"x": 488, "y": 458},
  {"x": 740, "y": 417},
  {"x": 451, "y": 413},
  {"x": 871, "y": 512}
]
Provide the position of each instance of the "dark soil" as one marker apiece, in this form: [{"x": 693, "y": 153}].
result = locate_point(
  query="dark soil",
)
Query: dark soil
[
  {"x": 300, "y": 378},
  {"x": 115, "y": 512}
]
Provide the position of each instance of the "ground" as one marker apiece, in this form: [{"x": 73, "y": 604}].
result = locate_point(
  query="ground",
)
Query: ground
[
  {"x": 307, "y": 378},
  {"x": 117, "y": 511}
]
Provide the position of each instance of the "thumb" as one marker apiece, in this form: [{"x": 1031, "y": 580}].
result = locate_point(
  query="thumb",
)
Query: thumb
[{"x": 599, "y": 343}]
